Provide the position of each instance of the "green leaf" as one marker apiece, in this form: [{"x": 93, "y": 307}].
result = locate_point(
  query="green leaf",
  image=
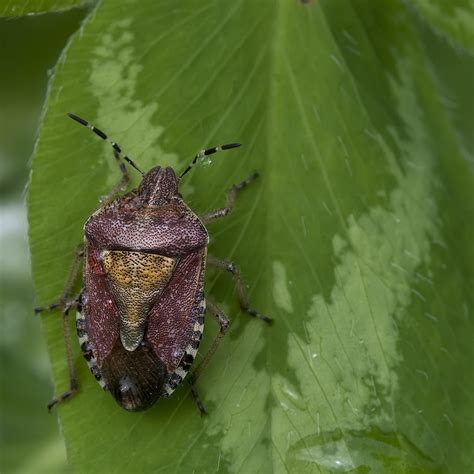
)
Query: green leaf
[
  {"x": 454, "y": 20},
  {"x": 15, "y": 8},
  {"x": 357, "y": 240}
]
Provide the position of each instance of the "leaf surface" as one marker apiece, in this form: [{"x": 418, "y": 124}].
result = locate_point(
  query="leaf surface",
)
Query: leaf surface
[
  {"x": 356, "y": 240},
  {"x": 454, "y": 20}
]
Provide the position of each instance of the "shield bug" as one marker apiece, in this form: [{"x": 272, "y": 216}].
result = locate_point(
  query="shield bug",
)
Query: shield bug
[{"x": 140, "y": 313}]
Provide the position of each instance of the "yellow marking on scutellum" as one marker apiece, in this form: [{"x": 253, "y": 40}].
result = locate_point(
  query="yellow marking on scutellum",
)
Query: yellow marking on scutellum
[
  {"x": 136, "y": 279},
  {"x": 137, "y": 269}
]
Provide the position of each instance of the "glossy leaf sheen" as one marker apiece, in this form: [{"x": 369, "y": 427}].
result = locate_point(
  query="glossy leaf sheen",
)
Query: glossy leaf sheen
[{"x": 357, "y": 239}]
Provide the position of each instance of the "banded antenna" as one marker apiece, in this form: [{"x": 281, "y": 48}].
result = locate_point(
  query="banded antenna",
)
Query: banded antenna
[
  {"x": 117, "y": 150},
  {"x": 210, "y": 151}
]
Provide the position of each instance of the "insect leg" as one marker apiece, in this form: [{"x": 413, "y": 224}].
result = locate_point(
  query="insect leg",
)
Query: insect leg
[
  {"x": 67, "y": 303},
  {"x": 121, "y": 185},
  {"x": 229, "y": 202},
  {"x": 239, "y": 284},
  {"x": 71, "y": 279},
  {"x": 196, "y": 397},
  {"x": 224, "y": 324},
  {"x": 73, "y": 385}
]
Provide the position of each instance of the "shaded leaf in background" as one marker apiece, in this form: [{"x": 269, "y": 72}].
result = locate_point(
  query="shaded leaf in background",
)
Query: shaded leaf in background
[
  {"x": 356, "y": 239},
  {"x": 30, "y": 439},
  {"x": 17, "y": 8}
]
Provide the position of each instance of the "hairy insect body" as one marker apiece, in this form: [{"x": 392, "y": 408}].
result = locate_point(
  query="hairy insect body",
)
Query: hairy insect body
[
  {"x": 153, "y": 284},
  {"x": 140, "y": 314}
]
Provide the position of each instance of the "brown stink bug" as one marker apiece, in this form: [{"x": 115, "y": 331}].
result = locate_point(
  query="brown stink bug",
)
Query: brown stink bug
[{"x": 140, "y": 314}]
